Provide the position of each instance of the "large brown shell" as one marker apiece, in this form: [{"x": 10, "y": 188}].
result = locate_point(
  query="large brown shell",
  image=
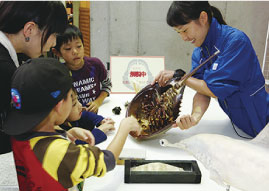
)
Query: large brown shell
[{"x": 156, "y": 109}]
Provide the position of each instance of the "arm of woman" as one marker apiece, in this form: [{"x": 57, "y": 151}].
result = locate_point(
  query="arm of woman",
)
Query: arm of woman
[
  {"x": 200, "y": 105},
  {"x": 200, "y": 86}
]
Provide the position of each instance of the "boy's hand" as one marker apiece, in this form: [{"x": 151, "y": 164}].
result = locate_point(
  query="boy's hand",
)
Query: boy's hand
[
  {"x": 126, "y": 126},
  {"x": 131, "y": 124},
  {"x": 108, "y": 120},
  {"x": 93, "y": 106},
  {"x": 81, "y": 134},
  {"x": 106, "y": 127}
]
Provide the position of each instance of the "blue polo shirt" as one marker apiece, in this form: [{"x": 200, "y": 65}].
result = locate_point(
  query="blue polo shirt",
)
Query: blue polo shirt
[{"x": 234, "y": 76}]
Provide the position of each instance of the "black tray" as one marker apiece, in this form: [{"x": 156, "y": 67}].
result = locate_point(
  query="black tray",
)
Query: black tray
[{"x": 191, "y": 173}]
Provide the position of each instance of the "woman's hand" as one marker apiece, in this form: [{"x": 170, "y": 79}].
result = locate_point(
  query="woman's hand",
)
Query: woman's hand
[
  {"x": 81, "y": 134},
  {"x": 163, "y": 77},
  {"x": 186, "y": 121},
  {"x": 200, "y": 105}
]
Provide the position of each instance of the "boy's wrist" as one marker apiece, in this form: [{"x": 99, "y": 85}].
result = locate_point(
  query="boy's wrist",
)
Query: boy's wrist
[
  {"x": 98, "y": 102},
  {"x": 124, "y": 128},
  {"x": 122, "y": 132}
]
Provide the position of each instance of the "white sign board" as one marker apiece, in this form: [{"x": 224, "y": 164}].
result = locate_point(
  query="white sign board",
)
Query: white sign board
[{"x": 129, "y": 73}]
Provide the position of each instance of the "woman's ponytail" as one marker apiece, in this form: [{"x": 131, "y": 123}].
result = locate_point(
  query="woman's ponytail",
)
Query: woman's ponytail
[
  {"x": 217, "y": 14},
  {"x": 183, "y": 12}
]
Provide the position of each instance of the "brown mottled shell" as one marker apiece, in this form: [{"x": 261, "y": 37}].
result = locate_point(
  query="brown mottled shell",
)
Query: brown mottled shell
[{"x": 156, "y": 109}]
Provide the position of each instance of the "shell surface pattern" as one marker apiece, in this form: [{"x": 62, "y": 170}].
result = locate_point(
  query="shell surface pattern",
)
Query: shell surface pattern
[{"x": 156, "y": 108}]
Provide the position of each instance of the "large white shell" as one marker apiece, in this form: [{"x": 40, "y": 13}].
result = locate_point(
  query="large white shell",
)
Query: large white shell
[{"x": 239, "y": 163}]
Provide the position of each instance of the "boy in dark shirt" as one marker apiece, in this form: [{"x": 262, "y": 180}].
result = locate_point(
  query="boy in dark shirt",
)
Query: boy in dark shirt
[{"x": 89, "y": 74}]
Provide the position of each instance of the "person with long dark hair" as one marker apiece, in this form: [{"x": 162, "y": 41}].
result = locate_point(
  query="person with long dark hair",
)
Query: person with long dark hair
[
  {"x": 234, "y": 76},
  {"x": 29, "y": 28}
]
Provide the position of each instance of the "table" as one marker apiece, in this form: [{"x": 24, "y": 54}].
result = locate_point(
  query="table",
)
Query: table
[{"x": 213, "y": 121}]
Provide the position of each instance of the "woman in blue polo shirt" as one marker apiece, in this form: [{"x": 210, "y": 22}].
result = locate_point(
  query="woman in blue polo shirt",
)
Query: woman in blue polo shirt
[{"x": 233, "y": 76}]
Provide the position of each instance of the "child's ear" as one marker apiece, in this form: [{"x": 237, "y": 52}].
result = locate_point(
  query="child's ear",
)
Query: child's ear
[
  {"x": 58, "y": 107},
  {"x": 56, "y": 52}
]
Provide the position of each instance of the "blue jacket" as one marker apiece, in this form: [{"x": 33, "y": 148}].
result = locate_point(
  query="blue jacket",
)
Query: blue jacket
[
  {"x": 88, "y": 121},
  {"x": 234, "y": 76}
]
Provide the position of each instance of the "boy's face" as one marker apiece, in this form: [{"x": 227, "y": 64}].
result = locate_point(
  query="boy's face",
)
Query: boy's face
[
  {"x": 76, "y": 111},
  {"x": 66, "y": 108},
  {"x": 73, "y": 53}
]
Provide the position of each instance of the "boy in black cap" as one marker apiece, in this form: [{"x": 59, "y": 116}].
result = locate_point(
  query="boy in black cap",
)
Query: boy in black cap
[{"x": 45, "y": 159}]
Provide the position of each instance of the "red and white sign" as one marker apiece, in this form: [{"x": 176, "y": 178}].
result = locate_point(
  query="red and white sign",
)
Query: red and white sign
[{"x": 131, "y": 73}]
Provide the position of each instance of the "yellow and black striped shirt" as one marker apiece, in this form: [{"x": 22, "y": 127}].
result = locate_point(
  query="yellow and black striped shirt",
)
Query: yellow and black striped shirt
[{"x": 65, "y": 162}]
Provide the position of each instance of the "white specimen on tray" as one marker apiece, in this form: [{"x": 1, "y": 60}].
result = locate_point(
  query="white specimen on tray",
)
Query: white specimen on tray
[
  {"x": 239, "y": 163},
  {"x": 157, "y": 166}
]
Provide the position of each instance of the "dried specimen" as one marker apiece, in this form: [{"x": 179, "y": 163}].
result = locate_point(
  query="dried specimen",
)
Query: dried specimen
[{"x": 156, "y": 108}]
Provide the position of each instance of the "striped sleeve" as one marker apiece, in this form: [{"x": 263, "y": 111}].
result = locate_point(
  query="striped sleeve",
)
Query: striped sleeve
[
  {"x": 70, "y": 164},
  {"x": 106, "y": 85},
  {"x": 102, "y": 73}
]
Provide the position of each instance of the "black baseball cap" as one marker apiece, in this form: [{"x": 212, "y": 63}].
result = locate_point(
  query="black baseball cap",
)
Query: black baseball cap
[{"x": 37, "y": 86}]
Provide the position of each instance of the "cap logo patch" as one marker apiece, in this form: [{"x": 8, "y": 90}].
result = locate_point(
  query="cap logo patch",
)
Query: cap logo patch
[
  {"x": 55, "y": 94},
  {"x": 16, "y": 98}
]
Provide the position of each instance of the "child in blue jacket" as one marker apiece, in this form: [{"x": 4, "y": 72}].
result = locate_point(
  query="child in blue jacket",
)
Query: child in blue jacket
[{"x": 81, "y": 118}]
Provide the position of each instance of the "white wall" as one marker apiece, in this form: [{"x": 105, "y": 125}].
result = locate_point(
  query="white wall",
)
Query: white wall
[{"x": 137, "y": 28}]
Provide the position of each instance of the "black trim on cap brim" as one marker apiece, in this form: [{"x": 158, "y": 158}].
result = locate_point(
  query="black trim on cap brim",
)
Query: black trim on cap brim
[{"x": 18, "y": 123}]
